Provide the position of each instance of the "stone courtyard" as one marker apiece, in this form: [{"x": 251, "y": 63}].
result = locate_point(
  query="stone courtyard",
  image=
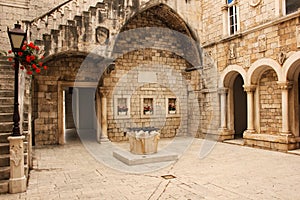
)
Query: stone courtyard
[{"x": 227, "y": 172}]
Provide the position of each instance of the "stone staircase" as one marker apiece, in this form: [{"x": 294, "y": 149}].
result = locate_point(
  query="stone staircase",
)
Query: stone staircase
[
  {"x": 75, "y": 24},
  {"x": 6, "y": 123}
]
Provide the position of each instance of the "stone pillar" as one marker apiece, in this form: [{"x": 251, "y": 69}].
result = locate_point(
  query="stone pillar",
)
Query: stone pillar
[
  {"x": 285, "y": 86},
  {"x": 223, "y": 131},
  {"x": 17, "y": 181},
  {"x": 223, "y": 105},
  {"x": 104, "y": 93},
  {"x": 250, "y": 107}
]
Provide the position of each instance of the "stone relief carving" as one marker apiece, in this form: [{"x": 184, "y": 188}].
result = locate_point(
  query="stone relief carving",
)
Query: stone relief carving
[
  {"x": 232, "y": 51},
  {"x": 281, "y": 56},
  {"x": 255, "y": 3},
  {"x": 247, "y": 61},
  {"x": 16, "y": 154},
  {"x": 208, "y": 58},
  {"x": 102, "y": 34},
  {"x": 298, "y": 35},
  {"x": 262, "y": 43}
]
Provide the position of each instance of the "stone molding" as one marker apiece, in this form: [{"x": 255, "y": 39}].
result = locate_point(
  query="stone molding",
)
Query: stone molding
[
  {"x": 285, "y": 85},
  {"x": 249, "y": 88}
]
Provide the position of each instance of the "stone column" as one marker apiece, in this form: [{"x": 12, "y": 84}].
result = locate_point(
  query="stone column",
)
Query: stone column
[
  {"x": 104, "y": 93},
  {"x": 223, "y": 105},
  {"x": 17, "y": 181},
  {"x": 223, "y": 131},
  {"x": 250, "y": 107},
  {"x": 285, "y": 86}
]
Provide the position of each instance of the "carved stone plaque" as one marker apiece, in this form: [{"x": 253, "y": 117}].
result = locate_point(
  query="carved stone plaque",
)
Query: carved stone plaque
[{"x": 102, "y": 34}]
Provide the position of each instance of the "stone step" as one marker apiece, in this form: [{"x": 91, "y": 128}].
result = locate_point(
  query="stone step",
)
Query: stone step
[
  {"x": 6, "y": 117},
  {"x": 4, "y": 160},
  {"x": 6, "y": 100},
  {"x": 6, "y": 127},
  {"x": 4, "y": 173},
  {"x": 6, "y": 93},
  {"x": 6, "y": 108},
  {"x": 6, "y": 86},
  {"x": 4, "y": 148},
  {"x": 4, "y": 136},
  {"x": 3, "y": 186}
]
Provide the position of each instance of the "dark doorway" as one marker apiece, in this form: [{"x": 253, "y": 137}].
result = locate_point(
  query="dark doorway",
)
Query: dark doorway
[{"x": 240, "y": 107}]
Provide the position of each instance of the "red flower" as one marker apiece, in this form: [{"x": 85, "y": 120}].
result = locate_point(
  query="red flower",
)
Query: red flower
[
  {"x": 10, "y": 59},
  {"x": 37, "y": 48},
  {"x": 28, "y": 59},
  {"x": 29, "y": 72},
  {"x": 40, "y": 64},
  {"x": 20, "y": 53},
  {"x": 10, "y": 51},
  {"x": 32, "y": 57},
  {"x": 23, "y": 47},
  {"x": 22, "y": 68},
  {"x": 38, "y": 70},
  {"x": 45, "y": 67},
  {"x": 31, "y": 45},
  {"x": 34, "y": 66}
]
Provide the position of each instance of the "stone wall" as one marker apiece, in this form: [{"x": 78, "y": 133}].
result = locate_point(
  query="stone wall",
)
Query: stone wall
[
  {"x": 64, "y": 68},
  {"x": 270, "y": 104},
  {"x": 148, "y": 74}
]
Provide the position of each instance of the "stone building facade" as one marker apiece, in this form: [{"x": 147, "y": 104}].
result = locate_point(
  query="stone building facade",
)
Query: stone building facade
[{"x": 228, "y": 68}]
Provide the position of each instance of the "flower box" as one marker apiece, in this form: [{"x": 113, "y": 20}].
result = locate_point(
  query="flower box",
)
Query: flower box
[
  {"x": 148, "y": 112},
  {"x": 122, "y": 113},
  {"x": 172, "y": 111}
]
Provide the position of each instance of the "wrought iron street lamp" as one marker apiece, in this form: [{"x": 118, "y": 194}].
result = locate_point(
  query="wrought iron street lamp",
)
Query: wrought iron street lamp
[{"x": 17, "y": 37}]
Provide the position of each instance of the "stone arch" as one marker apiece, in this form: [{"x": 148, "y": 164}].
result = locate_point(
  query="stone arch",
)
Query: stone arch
[
  {"x": 153, "y": 49},
  {"x": 260, "y": 66},
  {"x": 62, "y": 73},
  {"x": 163, "y": 20},
  {"x": 229, "y": 110},
  {"x": 166, "y": 14},
  {"x": 229, "y": 72},
  {"x": 290, "y": 65},
  {"x": 291, "y": 73}
]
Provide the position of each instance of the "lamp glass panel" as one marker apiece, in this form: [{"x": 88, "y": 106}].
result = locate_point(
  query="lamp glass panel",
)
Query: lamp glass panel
[{"x": 17, "y": 40}]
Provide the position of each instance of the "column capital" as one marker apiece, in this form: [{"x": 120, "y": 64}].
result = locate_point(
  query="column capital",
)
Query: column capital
[
  {"x": 285, "y": 85},
  {"x": 249, "y": 88},
  {"x": 103, "y": 92},
  {"x": 223, "y": 90}
]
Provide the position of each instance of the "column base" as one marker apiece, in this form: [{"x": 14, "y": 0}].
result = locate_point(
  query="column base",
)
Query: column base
[
  {"x": 251, "y": 131},
  {"x": 104, "y": 139},
  {"x": 17, "y": 185},
  {"x": 225, "y": 134}
]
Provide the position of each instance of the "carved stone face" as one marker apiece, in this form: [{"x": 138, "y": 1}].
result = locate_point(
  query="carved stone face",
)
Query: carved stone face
[{"x": 102, "y": 35}]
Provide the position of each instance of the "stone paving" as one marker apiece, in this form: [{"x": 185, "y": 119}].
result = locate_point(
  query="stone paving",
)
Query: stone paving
[{"x": 228, "y": 172}]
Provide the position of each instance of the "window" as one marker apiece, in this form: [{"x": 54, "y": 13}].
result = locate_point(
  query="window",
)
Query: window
[
  {"x": 148, "y": 106},
  {"x": 232, "y": 17},
  {"x": 172, "y": 105},
  {"x": 291, "y": 6},
  {"x": 121, "y": 106}
]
